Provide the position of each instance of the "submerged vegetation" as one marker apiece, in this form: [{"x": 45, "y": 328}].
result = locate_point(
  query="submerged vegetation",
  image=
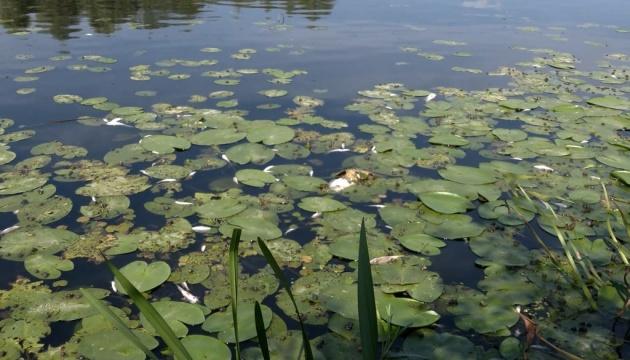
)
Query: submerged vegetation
[{"x": 247, "y": 216}]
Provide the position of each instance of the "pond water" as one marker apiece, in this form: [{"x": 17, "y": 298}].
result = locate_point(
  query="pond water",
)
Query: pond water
[{"x": 485, "y": 143}]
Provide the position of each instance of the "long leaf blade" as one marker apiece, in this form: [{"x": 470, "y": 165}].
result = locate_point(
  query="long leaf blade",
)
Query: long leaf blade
[
  {"x": 118, "y": 324},
  {"x": 260, "y": 332},
  {"x": 156, "y": 320},
  {"x": 308, "y": 353},
  {"x": 367, "y": 304},
  {"x": 233, "y": 269}
]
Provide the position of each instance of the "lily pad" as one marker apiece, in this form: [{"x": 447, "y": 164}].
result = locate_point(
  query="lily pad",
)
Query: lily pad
[
  {"x": 445, "y": 202},
  {"x": 270, "y": 135},
  {"x": 610, "y": 102},
  {"x": 177, "y": 315},
  {"x": 221, "y": 322},
  {"x": 320, "y": 204},
  {"x": 202, "y": 347},
  {"x": 19, "y": 244},
  {"x": 253, "y": 177},
  {"x": 422, "y": 243},
  {"x": 145, "y": 276},
  {"x": 164, "y": 144},
  {"x": 217, "y": 137},
  {"x": 46, "y": 266},
  {"x": 468, "y": 175}
]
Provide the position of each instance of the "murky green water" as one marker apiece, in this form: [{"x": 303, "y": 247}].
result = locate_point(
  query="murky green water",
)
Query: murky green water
[{"x": 485, "y": 142}]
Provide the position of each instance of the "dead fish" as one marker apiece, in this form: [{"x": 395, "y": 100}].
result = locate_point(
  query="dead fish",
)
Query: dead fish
[
  {"x": 310, "y": 173},
  {"x": 9, "y": 229},
  {"x": 201, "y": 229},
  {"x": 339, "y": 184},
  {"x": 203, "y": 247},
  {"x": 235, "y": 180},
  {"x": 188, "y": 296},
  {"x": 183, "y": 202},
  {"x": 543, "y": 167},
  {"x": 316, "y": 215},
  {"x": 192, "y": 173},
  {"x": 113, "y": 283},
  {"x": 379, "y": 206},
  {"x": 224, "y": 157},
  {"x": 166, "y": 180},
  {"x": 385, "y": 259},
  {"x": 268, "y": 168},
  {"x": 338, "y": 150},
  {"x": 115, "y": 122},
  {"x": 290, "y": 230},
  {"x": 144, "y": 172},
  {"x": 430, "y": 97}
]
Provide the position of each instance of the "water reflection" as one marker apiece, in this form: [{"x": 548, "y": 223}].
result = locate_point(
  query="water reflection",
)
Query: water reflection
[{"x": 61, "y": 18}]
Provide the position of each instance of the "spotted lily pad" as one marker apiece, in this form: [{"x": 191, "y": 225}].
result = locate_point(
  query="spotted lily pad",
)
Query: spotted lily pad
[
  {"x": 164, "y": 144},
  {"x": 46, "y": 211},
  {"x": 422, "y": 243},
  {"x": 46, "y": 266},
  {"x": 611, "y": 102},
  {"x": 217, "y": 137},
  {"x": 320, "y": 204},
  {"x": 220, "y": 208},
  {"x": 113, "y": 186},
  {"x": 167, "y": 172},
  {"x": 19, "y": 244}
]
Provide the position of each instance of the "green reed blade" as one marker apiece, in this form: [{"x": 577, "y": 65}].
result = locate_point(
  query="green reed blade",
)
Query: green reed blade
[
  {"x": 308, "y": 353},
  {"x": 260, "y": 332},
  {"x": 367, "y": 305},
  {"x": 233, "y": 265}
]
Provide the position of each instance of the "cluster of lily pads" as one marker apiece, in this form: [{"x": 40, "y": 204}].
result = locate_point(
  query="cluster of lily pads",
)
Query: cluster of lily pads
[{"x": 548, "y": 153}]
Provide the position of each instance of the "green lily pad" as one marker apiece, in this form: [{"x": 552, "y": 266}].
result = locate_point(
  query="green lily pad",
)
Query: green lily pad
[
  {"x": 46, "y": 211},
  {"x": 177, "y": 315},
  {"x": 610, "y": 102},
  {"x": 429, "y": 344},
  {"x": 454, "y": 230},
  {"x": 253, "y": 177},
  {"x": 19, "y": 244},
  {"x": 6, "y": 156},
  {"x": 445, "y": 202},
  {"x": 46, "y": 266},
  {"x": 217, "y": 137},
  {"x": 245, "y": 153},
  {"x": 449, "y": 140},
  {"x": 114, "y": 345},
  {"x": 202, "y": 347},
  {"x": 270, "y": 135},
  {"x": 404, "y": 312},
  {"x": 422, "y": 243},
  {"x": 305, "y": 183},
  {"x": 145, "y": 276},
  {"x": 273, "y": 93},
  {"x": 468, "y": 175},
  {"x": 320, "y": 204},
  {"x": 221, "y": 322},
  {"x": 252, "y": 228},
  {"x": 167, "y": 172},
  {"x": 622, "y": 175},
  {"x": 164, "y": 144},
  {"x": 115, "y": 185},
  {"x": 16, "y": 183},
  {"x": 220, "y": 208}
]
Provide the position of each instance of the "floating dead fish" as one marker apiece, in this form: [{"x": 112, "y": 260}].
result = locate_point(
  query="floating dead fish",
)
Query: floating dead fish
[
  {"x": 183, "y": 202},
  {"x": 316, "y": 215},
  {"x": 338, "y": 150},
  {"x": 385, "y": 259},
  {"x": 188, "y": 296},
  {"x": 9, "y": 229},
  {"x": 192, "y": 173},
  {"x": 311, "y": 172},
  {"x": 165, "y": 180},
  {"x": 113, "y": 284},
  {"x": 93, "y": 199},
  {"x": 268, "y": 168},
  {"x": 235, "y": 180},
  {"x": 115, "y": 122},
  {"x": 339, "y": 184},
  {"x": 379, "y": 206},
  {"x": 290, "y": 230},
  {"x": 144, "y": 172},
  {"x": 201, "y": 229},
  {"x": 543, "y": 167},
  {"x": 224, "y": 157},
  {"x": 517, "y": 158},
  {"x": 430, "y": 97}
]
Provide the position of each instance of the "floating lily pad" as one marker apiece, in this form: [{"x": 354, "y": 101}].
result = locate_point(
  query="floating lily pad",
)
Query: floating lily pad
[
  {"x": 46, "y": 266},
  {"x": 253, "y": 177},
  {"x": 622, "y": 175},
  {"x": 46, "y": 211},
  {"x": 468, "y": 175},
  {"x": 252, "y": 228},
  {"x": 16, "y": 183},
  {"x": 206, "y": 348},
  {"x": 217, "y": 137},
  {"x": 164, "y": 144},
  {"x": 145, "y": 276},
  {"x": 6, "y": 156},
  {"x": 113, "y": 186},
  {"x": 221, "y": 322},
  {"x": 404, "y": 312},
  {"x": 270, "y": 135},
  {"x": 611, "y": 102},
  {"x": 439, "y": 346},
  {"x": 246, "y": 153},
  {"x": 304, "y": 183},
  {"x": 177, "y": 315},
  {"x": 114, "y": 344},
  {"x": 320, "y": 204},
  {"x": 422, "y": 243},
  {"x": 445, "y": 202},
  {"x": 220, "y": 208},
  {"x": 167, "y": 172},
  {"x": 19, "y": 244}
]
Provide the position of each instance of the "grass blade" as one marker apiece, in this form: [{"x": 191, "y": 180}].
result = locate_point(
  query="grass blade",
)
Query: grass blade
[
  {"x": 308, "y": 353},
  {"x": 260, "y": 332},
  {"x": 367, "y": 305},
  {"x": 156, "y": 320},
  {"x": 118, "y": 324},
  {"x": 233, "y": 265}
]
